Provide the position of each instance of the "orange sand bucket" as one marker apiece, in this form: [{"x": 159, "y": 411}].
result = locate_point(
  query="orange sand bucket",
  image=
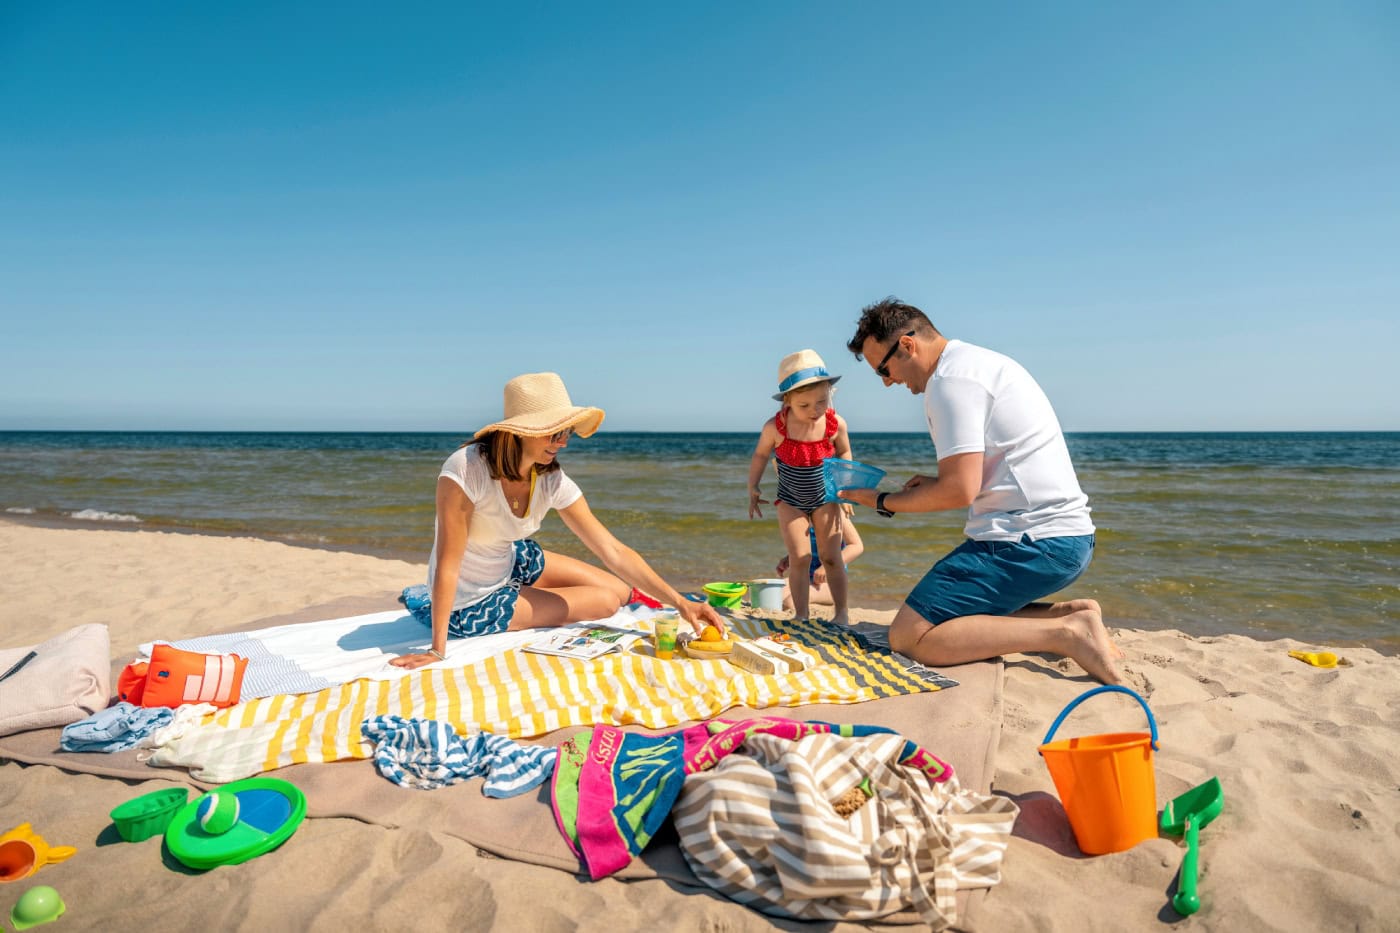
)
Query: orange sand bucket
[{"x": 1105, "y": 782}]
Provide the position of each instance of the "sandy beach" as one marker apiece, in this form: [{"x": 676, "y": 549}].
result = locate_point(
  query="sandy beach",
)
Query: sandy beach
[{"x": 1309, "y": 759}]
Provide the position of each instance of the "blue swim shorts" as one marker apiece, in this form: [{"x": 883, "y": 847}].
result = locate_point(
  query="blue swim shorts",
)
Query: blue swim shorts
[
  {"x": 996, "y": 578},
  {"x": 490, "y": 614},
  {"x": 815, "y": 560}
]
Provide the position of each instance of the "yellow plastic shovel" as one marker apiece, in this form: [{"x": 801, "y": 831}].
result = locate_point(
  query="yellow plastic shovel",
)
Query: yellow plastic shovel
[{"x": 1315, "y": 658}]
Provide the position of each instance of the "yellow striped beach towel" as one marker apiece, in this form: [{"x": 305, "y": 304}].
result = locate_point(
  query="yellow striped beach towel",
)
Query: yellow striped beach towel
[{"x": 522, "y": 695}]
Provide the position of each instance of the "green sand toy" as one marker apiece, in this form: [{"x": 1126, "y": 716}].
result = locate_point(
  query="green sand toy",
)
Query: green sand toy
[
  {"x": 40, "y": 904},
  {"x": 1187, "y": 814},
  {"x": 142, "y": 817},
  {"x": 235, "y": 823},
  {"x": 725, "y": 595}
]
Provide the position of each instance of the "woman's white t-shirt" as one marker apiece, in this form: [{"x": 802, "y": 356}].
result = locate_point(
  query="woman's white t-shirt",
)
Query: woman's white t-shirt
[{"x": 494, "y": 529}]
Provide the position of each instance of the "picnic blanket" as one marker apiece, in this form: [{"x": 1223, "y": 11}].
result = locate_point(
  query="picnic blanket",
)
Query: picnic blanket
[
  {"x": 522, "y": 695},
  {"x": 962, "y": 726}
]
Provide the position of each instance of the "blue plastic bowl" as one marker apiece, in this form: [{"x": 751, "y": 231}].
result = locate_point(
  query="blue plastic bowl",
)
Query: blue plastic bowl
[{"x": 838, "y": 474}]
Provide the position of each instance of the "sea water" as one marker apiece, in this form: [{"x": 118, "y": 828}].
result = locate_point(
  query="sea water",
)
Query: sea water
[{"x": 1266, "y": 534}]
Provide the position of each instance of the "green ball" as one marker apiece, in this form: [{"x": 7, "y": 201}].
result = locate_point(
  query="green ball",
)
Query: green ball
[{"x": 217, "y": 813}]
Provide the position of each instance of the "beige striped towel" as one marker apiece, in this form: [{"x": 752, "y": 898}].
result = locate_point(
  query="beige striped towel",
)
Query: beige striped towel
[{"x": 763, "y": 828}]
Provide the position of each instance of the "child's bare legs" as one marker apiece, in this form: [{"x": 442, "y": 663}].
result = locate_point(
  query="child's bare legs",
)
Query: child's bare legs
[
  {"x": 568, "y": 590},
  {"x": 817, "y": 595},
  {"x": 792, "y": 523},
  {"x": 828, "y": 521}
]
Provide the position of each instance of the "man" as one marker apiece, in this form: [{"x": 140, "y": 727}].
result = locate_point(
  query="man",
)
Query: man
[{"x": 1002, "y": 456}]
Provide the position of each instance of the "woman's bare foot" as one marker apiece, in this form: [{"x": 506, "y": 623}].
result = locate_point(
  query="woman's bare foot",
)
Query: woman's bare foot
[{"x": 1090, "y": 647}]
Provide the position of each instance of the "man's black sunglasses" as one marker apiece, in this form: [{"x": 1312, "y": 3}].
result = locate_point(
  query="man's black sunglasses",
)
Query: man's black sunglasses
[{"x": 881, "y": 370}]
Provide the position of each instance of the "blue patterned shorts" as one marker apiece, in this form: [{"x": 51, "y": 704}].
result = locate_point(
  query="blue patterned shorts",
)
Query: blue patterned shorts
[{"x": 491, "y": 614}]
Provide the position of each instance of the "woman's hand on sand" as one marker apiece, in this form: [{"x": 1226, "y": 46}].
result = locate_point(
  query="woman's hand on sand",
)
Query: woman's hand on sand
[
  {"x": 414, "y": 661},
  {"x": 700, "y": 615}
]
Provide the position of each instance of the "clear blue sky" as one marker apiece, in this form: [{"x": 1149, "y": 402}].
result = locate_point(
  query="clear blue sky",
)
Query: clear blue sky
[{"x": 354, "y": 216}]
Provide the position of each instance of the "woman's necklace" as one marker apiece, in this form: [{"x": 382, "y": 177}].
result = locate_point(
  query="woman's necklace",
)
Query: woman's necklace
[{"x": 515, "y": 498}]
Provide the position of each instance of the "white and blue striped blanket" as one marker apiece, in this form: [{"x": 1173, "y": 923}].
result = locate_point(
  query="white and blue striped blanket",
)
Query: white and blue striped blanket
[{"x": 307, "y": 657}]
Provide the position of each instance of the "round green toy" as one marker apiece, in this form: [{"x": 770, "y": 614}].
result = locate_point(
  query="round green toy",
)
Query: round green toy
[
  {"x": 235, "y": 823},
  {"x": 40, "y": 904},
  {"x": 217, "y": 813}
]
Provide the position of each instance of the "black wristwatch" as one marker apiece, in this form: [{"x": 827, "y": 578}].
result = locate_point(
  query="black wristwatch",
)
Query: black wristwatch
[{"x": 880, "y": 505}]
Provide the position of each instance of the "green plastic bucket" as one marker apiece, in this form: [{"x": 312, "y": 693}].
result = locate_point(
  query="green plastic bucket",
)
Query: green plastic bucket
[{"x": 725, "y": 595}]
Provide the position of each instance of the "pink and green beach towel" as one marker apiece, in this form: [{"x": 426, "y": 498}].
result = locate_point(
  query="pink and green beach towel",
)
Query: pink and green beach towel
[{"x": 613, "y": 790}]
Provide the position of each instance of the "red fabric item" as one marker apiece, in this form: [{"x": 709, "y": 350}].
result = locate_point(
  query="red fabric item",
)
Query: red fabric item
[
  {"x": 637, "y": 596},
  {"x": 805, "y": 453}
]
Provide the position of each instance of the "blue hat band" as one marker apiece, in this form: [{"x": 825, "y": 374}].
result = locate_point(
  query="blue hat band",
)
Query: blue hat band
[{"x": 817, "y": 371}]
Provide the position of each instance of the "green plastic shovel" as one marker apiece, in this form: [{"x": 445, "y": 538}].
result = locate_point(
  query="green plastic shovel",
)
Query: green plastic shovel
[{"x": 1186, "y": 815}]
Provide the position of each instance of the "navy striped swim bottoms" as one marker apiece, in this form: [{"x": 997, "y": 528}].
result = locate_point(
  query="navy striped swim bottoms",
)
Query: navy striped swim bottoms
[{"x": 491, "y": 614}]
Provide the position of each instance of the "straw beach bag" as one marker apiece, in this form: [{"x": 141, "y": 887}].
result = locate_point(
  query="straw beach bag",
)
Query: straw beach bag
[{"x": 833, "y": 828}]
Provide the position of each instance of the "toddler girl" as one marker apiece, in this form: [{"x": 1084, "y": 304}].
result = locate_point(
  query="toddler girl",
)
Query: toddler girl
[{"x": 806, "y": 431}]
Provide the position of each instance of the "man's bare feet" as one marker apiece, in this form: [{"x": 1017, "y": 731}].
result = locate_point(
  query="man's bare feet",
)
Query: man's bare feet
[
  {"x": 1071, "y": 606},
  {"x": 1088, "y": 644}
]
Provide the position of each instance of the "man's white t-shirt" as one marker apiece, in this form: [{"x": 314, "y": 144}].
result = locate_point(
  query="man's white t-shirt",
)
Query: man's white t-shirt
[
  {"x": 494, "y": 529},
  {"x": 978, "y": 400}
]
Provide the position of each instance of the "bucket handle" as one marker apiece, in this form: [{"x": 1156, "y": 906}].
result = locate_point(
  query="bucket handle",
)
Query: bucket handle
[{"x": 1107, "y": 688}]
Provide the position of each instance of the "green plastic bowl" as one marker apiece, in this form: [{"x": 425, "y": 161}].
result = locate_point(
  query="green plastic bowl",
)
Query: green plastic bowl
[
  {"x": 145, "y": 816},
  {"x": 725, "y": 595}
]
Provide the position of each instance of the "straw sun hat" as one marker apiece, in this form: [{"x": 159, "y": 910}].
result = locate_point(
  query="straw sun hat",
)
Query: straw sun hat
[
  {"x": 801, "y": 369},
  {"x": 538, "y": 405}
]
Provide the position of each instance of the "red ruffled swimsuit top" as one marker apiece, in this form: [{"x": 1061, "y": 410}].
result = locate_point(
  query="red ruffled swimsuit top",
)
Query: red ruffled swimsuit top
[{"x": 805, "y": 453}]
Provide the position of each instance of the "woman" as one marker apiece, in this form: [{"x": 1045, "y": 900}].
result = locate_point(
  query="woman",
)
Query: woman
[{"x": 486, "y": 574}]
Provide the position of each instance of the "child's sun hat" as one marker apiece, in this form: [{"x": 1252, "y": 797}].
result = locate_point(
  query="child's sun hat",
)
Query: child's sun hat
[
  {"x": 800, "y": 369},
  {"x": 538, "y": 405}
]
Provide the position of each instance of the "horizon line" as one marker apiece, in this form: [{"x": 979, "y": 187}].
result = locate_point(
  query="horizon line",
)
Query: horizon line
[{"x": 385, "y": 431}]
